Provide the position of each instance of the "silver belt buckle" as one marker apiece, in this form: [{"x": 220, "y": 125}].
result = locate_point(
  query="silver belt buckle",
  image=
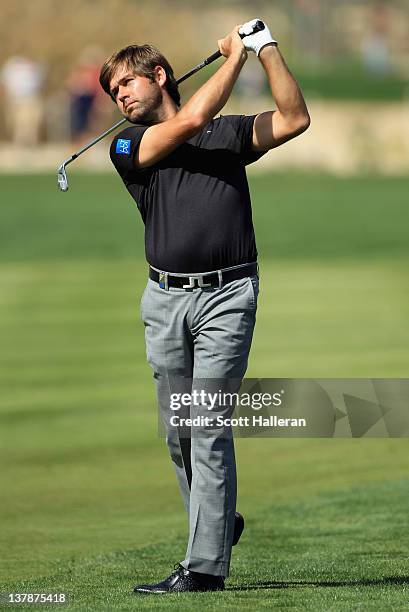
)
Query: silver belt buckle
[
  {"x": 199, "y": 280},
  {"x": 164, "y": 280}
]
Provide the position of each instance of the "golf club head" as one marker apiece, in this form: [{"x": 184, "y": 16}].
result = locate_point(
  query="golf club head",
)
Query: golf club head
[{"x": 62, "y": 178}]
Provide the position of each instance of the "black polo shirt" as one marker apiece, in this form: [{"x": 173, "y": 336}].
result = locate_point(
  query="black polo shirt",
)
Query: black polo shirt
[{"x": 195, "y": 203}]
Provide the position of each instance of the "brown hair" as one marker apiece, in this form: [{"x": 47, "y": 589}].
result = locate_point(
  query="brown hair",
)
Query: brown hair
[{"x": 141, "y": 59}]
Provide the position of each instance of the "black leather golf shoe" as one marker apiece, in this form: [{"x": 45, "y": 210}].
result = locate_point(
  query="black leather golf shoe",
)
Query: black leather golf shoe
[
  {"x": 182, "y": 580},
  {"x": 238, "y": 528}
]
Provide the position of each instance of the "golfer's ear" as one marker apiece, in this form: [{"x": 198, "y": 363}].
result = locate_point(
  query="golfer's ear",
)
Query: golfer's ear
[{"x": 160, "y": 75}]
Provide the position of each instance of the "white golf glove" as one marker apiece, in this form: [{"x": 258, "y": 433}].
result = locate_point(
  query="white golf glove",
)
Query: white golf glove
[{"x": 255, "y": 42}]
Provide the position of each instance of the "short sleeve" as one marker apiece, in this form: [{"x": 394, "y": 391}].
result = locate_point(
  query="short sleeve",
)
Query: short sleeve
[
  {"x": 123, "y": 150},
  {"x": 243, "y": 127}
]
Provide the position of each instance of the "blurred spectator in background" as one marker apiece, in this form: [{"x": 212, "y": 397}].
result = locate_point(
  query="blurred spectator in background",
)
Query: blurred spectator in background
[
  {"x": 22, "y": 80},
  {"x": 375, "y": 51},
  {"x": 85, "y": 93}
]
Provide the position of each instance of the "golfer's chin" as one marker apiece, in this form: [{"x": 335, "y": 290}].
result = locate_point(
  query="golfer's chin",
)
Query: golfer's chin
[{"x": 140, "y": 116}]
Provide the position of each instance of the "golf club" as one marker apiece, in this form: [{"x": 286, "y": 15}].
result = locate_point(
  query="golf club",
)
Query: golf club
[{"x": 62, "y": 178}]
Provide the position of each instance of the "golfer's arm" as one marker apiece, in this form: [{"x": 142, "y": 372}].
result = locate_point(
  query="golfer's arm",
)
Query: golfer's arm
[
  {"x": 291, "y": 118},
  {"x": 161, "y": 139}
]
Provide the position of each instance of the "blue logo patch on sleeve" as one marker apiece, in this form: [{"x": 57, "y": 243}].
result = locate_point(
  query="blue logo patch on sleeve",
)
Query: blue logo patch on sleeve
[{"x": 123, "y": 146}]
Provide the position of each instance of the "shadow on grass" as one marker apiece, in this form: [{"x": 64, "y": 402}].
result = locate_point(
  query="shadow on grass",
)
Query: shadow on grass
[{"x": 388, "y": 580}]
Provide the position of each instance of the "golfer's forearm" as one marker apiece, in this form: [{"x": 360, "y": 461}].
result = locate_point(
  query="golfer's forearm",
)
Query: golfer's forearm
[
  {"x": 284, "y": 88},
  {"x": 164, "y": 137},
  {"x": 213, "y": 95}
]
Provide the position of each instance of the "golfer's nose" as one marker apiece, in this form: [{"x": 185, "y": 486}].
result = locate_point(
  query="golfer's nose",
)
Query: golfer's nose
[{"x": 122, "y": 93}]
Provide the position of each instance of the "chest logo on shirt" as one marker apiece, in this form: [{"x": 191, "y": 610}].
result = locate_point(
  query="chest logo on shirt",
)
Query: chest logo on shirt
[{"x": 123, "y": 146}]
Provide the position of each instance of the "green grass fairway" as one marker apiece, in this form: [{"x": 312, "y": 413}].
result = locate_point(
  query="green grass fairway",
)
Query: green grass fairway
[{"x": 89, "y": 500}]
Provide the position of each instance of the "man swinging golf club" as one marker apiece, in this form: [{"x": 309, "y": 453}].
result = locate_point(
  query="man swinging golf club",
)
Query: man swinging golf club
[{"x": 186, "y": 172}]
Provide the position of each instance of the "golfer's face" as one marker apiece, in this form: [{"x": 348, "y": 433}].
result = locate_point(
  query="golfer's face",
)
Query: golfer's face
[{"x": 137, "y": 98}]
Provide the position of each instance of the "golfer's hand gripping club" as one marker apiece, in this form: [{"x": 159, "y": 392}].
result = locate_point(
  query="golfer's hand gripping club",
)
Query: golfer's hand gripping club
[
  {"x": 255, "y": 37},
  {"x": 252, "y": 27}
]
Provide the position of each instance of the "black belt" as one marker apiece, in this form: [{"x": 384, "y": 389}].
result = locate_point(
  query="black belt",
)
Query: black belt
[{"x": 191, "y": 281}]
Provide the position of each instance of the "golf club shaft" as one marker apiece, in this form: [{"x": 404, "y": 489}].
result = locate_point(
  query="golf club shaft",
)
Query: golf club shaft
[
  {"x": 62, "y": 177},
  {"x": 97, "y": 139},
  {"x": 202, "y": 64}
]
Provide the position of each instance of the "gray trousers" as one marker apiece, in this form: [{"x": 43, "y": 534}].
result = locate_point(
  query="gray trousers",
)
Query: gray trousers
[{"x": 200, "y": 339}]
